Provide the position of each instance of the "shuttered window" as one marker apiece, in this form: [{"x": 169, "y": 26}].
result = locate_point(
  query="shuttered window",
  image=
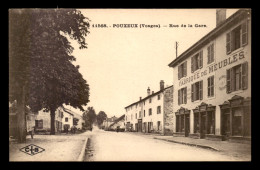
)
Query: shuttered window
[
  {"x": 210, "y": 53},
  {"x": 197, "y": 61},
  {"x": 182, "y": 96},
  {"x": 211, "y": 86},
  {"x": 244, "y": 36},
  {"x": 237, "y": 38},
  {"x": 228, "y": 42},
  {"x": 182, "y": 70},
  {"x": 237, "y": 78},
  {"x": 197, "y": 91},
  {"x": 201, "y": 59}
]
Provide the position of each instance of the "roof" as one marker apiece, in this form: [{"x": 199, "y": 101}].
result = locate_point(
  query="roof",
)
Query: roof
[
  {"x": 239, "y": 15},
  {"x": 68, "y": 111},
  {"x": 151, "y": 95},
  {"x": 117, "y": 120}
]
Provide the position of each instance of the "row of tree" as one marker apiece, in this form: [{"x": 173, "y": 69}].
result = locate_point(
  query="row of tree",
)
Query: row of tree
[
  {"x": 41, "y": 73},
  {"x": 91, "y": 118}
]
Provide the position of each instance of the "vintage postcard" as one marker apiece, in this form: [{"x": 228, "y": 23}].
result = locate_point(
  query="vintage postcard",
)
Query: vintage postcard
[{"x": 129, "y": 85}]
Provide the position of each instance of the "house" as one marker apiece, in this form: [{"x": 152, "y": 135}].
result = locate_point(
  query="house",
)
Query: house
[
  {"x": 108, "y": 122},
  {"x": 67, "y": 118},
  {"x": 153, "y": 113},
  {"x": 212, "y": 82},
  {"x": 43, "y": 120},
  {"x": 118, "y": 123}
]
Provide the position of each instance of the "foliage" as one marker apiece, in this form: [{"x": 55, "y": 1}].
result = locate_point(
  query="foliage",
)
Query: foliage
[
  {"x": 40, "y": 58},
  {"x": 89, "y": 116},
  {"x": 101, "y": 117}
]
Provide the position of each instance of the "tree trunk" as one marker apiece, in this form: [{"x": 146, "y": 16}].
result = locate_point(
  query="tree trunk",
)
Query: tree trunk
[
  {"x": 21, "y": 121},
  {"x": 52, "y": 121}
]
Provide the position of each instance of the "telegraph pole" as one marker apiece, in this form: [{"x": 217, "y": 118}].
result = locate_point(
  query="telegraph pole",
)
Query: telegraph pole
[{"x": 176, "y": 47}]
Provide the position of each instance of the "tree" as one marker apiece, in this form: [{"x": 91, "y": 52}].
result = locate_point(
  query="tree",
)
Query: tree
[
  {"x": 41, "y": 73},
  {"x": 89, "y": 116},
  {"x": 101, "y": 117}
]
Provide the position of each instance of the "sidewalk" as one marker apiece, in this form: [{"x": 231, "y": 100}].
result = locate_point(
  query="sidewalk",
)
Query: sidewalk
[
  {"x": 240, "y": 150},
  {"x": 60, "y": 147}
]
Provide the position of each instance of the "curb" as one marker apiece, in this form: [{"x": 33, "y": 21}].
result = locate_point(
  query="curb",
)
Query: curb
[
  {"x": 83, "y": 150},
  {"x": 190, "y": 144}
]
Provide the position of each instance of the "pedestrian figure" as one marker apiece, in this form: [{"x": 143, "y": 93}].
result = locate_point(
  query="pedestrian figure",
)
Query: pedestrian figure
[
  {"x": 117, "y": 129},
  {"x": 32, "y": 132}
]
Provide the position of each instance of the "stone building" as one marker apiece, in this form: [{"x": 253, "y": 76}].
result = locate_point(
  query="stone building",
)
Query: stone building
[
  {"x": 212, "y": 82},
  {"x": 153, "y": 113}
]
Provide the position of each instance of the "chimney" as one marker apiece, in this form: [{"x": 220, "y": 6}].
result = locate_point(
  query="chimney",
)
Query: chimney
[
  {"x": 220, "y": 16},
  {"x": 140, "y": 98},
  {"x": 161, "y": 85},
  {"x": 148, "y": 91},
  {"x": 152, "y": 92}
]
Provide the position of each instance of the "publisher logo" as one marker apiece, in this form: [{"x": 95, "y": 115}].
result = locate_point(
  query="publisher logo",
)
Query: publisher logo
[{"x": 32, "y": 149}]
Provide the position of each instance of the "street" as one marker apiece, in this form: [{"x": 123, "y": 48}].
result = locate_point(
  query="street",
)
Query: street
[{"x": 122, "y": 146}]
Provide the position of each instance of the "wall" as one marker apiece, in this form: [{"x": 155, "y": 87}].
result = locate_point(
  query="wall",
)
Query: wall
[
  {"x": 168, "y": 111},
  {"x": 220, "y": 94}
]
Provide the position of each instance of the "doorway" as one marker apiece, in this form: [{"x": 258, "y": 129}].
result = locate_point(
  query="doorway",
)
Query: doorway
[
  {"x": 187, "y": 125},
  {"x": 203, "y": 122}
]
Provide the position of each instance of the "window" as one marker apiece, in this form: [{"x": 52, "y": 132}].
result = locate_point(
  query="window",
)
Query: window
[
  {"x": 139, "y": 113},
  {"x": 39, "y": 124},
  {"x": 182, "y": 70},
  {"x": 144, "y": 113},
  {"x": 136, "y": 115},
  {"x": 150, "y": 111},
  {"x": 150, "y": 100},
  {"x": 237, "y": 38},
  {"x": 158, "y": 109},
  {"x": 211, "y": 86},
  {"x": 237, "y": 78},
  {"x": 197, "y": 91},
  {"x": 197, "y": 61},
  {"x": 131, "y": 117},
  {"x": 182, "y": 96},
  {"x": 159, "y": 97},
  {"x": 211, "y": 53},
  {"x": 66, "y": 119},
  {"x": 158, "y": 125}
]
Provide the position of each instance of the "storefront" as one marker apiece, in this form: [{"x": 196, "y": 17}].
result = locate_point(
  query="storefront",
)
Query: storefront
[
  {"x": 182, "y": 122},
  {"x": 236, "y": 119},
  {"x": 204, "y": 121}
]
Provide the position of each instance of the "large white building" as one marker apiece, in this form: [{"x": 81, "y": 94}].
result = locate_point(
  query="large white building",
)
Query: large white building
[
  {"x": 151, "y": 114},
  {"x": 212, "y": 82}
]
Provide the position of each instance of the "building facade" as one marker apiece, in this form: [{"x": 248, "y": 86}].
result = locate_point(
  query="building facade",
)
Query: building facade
[
  {"x": 213, "y": 87},
  {"x": 43, "y": 120},
  {"x": 154, "y": 113},
  {"x": 118, "y": 123}
]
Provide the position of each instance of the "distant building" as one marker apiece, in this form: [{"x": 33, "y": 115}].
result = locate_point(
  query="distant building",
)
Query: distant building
[
  {"x": 212, "y": 82},
  {"x": 153, "y": 113},
  {"x": 118, "y": 123},
  {"x": 67, "y": 118},
  {"x": 108, "y": 122}
]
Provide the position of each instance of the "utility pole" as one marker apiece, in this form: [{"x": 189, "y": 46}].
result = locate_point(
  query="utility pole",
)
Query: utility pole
[{"x": 176, "y": 47}]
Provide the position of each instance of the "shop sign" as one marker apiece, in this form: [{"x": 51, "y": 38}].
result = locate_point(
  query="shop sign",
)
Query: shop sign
[{"x": 212, "y": 68}]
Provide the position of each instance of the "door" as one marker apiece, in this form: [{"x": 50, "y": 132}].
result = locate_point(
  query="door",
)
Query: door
[
  {"x": 187, "y": 125},
  {"x": 203, "y": 125},
  {"x": 149, "y": 127}
]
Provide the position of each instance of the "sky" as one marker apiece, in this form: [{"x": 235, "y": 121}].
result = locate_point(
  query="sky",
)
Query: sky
[{"x": 121, "y": 63}]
